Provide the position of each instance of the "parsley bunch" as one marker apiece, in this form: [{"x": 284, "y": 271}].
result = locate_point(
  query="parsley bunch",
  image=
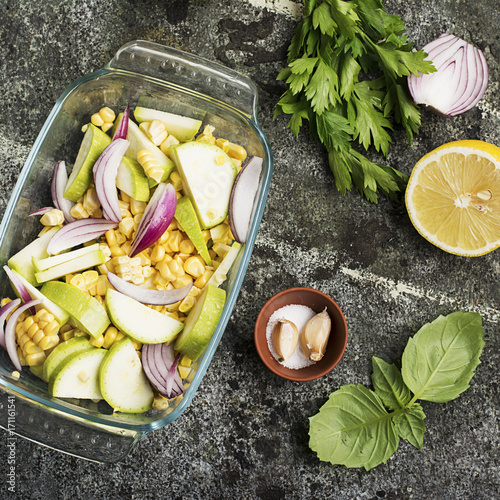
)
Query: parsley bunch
[{"x": 346, "y": 74}]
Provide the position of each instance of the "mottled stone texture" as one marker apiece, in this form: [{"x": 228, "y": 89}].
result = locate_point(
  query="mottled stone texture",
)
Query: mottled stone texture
[{"x": 245, "y": 433}]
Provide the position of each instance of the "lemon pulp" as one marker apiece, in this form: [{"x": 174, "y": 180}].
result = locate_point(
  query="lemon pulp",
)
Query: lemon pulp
[{"x": 453, "y": 197}]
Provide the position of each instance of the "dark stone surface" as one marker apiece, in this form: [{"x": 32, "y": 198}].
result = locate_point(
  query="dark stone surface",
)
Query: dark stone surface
[{"x": 245, "y": 433}]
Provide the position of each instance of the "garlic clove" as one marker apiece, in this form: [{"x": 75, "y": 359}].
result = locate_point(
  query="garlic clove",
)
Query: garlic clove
[
  {"x": 315, "y": 334},
  {"x": 285, "y": 338}
]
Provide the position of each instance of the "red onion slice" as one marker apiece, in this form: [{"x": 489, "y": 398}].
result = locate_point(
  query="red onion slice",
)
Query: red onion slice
[
  {"x": 460, "y": 80},
  {"x": 4, "y": 312},
  {"x": 10, "y": 332},
  {"x": 78, "y": 232},
  {"x": 19, "y": 288},
  {"x": 146, "y": 295},
  {"x": 122, "y": 129},
  {"x": 105, "y": 172},
  {"x": 157, "y": 217},
  {"x": 41, "y": 211},
  {"x": 57, "y": 187},
  {"x": 242, "y": 198},
  {"x": 160, "y": 368}
]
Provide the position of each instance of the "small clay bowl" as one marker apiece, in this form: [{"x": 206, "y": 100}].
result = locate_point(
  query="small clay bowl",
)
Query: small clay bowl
[{"x": 317, "y": 301}]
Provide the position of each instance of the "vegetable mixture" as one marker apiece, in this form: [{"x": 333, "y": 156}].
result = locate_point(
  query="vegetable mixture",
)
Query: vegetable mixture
[{"x": 128, "y": 265}]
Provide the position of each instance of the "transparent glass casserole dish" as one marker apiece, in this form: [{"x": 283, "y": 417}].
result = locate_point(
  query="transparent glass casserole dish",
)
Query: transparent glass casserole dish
[{"x": 154, "y": 76}]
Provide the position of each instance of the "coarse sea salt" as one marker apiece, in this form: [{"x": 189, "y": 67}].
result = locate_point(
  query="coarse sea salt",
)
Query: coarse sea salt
[{"x": 299, "y": 315}]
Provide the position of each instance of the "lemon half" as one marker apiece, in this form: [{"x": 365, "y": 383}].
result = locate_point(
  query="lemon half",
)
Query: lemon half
[{"x": 453, "y": 197}]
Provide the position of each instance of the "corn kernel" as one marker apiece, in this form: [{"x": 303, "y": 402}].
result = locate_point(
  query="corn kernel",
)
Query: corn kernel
[
  {"x": 172, "y": 226},
  {"x": 221, "y": 249},
  {"x": 90, "y": 278},
  {"x": 137, "y": 207},
  {"x": 195, "y": 266},
  {"x": 157, "y": 254},
  {"x": 96, "y": 120},
  {"x": 109, "y": 337},
  {"x": 32, "y": 348},
  {"x": 165, "y": 145},
  {"x": 90, "y": 200},
  {"x": 183, "y": 281},
  {"x": 149, "y": 164},
  {"x": 106, "y": 126},
  {"x": 174, "y": 240},
  {"x": 183, "y": 371},
  {"x": 237, "y": 152},
  {"x": 54, "y": 217},
  {"x": 185, "y": 361},
  {"x": 165, "y": 272},
  {"x": 186, "y": 246},
  {"x": 78, "y": 281},
  {"x": 119, "y": 336},
  {"x": 176, "y": 180},
  {"x": 48, "y": 342},
  {"x": 137, "y": 345},
  {"x": 187, "y": 303},
  {"x": 120, "y": 237},
  {"x": 127, "y": 226},
  {"x": 203, "y": 280},
  {"x": 110, "y": 237},
  {"x": 157, "y": 132},
  {"x": 35, "y": 359},
  {"x": 175, "y": 268},
  {"x": 116, "y": 251},
  {"x": 145, "y": 260},
  {"x": 144, "y": 126},
  {"x": 52, "y": 328},
  {"x": 222, "y": 144},
  {"x": 107, "y": 115},
  {"x": 97, "y": 342}
]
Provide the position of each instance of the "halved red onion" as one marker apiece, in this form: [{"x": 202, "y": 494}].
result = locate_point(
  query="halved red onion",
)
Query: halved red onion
[
  {"x": 57, "y": 187},
  {"x": 160, "y": 368},
  {"x": 18, "y": 285},
  {"x": 157, "y": 217},
  {"x": 4, "y": 312},
  {"x": 105, "y": 171},
  {"x": 460, "y": 81},
  {"x": 10, "y": 332},
  {"x": 122, "y": 129},
  {"x": 146, "y": 295},
  {"x": 242, "y": 198},
  {"x": 78, "y": 232},
  {"x": 41, "y": 211}
]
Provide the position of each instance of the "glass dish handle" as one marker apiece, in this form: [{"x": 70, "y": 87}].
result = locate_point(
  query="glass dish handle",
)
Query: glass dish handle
[
  {"x": 193, "y": 73},
  {"x": 63, "y": 432}
]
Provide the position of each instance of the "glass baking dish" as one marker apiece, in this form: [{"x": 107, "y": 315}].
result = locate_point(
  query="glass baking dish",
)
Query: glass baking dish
[{"x": 150, "y": 75}]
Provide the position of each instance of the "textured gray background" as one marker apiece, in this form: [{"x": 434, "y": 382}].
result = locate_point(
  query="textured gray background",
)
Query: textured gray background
[{"x": 245, "y": 433}]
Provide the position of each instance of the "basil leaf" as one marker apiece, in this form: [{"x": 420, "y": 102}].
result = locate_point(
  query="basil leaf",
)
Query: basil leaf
[
  {"x": 439, "y": 361},
  {"x": 410, "y": 425},
  {"x": 353, "y": 428},
  {"x": 389, "y": 385}
]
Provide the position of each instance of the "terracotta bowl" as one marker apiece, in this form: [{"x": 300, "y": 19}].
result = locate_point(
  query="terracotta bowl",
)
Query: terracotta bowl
[{"x": 317, "y": 301}]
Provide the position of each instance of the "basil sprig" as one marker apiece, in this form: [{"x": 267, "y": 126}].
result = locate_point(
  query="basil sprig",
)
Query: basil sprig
[{"x": 359, "y": 427}]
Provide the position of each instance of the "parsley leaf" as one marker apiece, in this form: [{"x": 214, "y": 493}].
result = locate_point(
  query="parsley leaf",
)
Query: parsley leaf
[{"x": 335, "y": 59}]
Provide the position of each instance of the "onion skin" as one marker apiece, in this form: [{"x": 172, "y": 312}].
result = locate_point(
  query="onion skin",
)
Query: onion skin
[
  {"x": 41, "y": 211},
  {"x": 157, "y": 217},
  {"x": 122, "y": 129},
  {"x": 160, "y": 368},
  {"x": 18, "y": 286},
  {"x": 105, "y": 172},
  {"x": 146, "y": 295},
  {"x": 242, "y": 198},
  {"x": 78, "y": 232},
  {"x": 57, "y": 188},
  {"x": 4, "y": 312},
  {"x": 460, "y": 80},
  {"x": 10, "y": 332}
]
